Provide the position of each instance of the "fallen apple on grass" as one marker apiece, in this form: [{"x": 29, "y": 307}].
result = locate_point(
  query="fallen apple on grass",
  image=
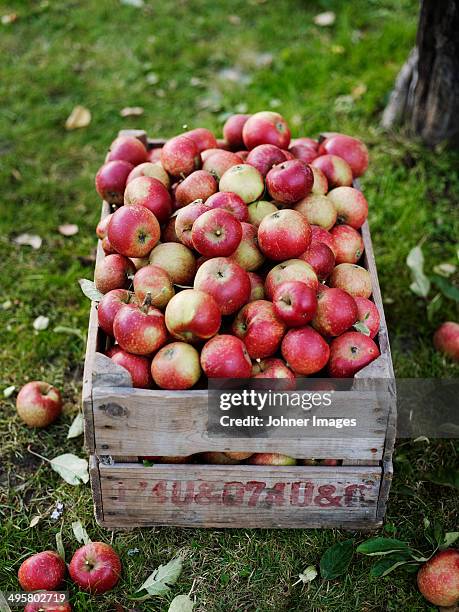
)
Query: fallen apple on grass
[
  {"x": 95, "y": 567},
  {"x": 446, "y": 339},
  {"x": 38, "y": 404},
  {"x": 44, "y": 571},
  {"x": 438, "y": 578},
  {"x": 176, "y": 366}
]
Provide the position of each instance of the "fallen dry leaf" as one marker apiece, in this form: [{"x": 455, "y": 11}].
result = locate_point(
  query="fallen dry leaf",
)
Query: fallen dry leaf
[
  {"x": 337, "y": 49},
  {"x": 325, "y": 19},
  {"x": 80, "y": 117},
  {"x": 134, "y": 3},
  {"x": 28, "y": 240},
  {"x": 9, "y": 18},
  {"x": 131, "y": 111},
  {"x": 41, "y": 323},
  {"x": 234, "y": 19},
  {"x": 359, "y": 91},
  {"x": 68, "y": 229}
]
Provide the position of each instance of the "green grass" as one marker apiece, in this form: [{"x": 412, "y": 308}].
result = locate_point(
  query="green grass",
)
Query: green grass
[{"x": 99, "y": 54}]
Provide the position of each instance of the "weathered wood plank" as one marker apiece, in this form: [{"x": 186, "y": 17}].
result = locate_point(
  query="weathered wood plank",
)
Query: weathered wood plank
[
  {"x": 94, "y": 476},
  {"x": 139, "y": 134}
]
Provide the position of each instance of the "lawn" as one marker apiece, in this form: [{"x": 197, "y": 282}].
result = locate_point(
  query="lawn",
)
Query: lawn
[{"x": 191, "y": 62}]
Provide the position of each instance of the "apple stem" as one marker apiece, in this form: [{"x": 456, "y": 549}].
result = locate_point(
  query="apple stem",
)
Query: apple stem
[{"x": 146, "y": 303}]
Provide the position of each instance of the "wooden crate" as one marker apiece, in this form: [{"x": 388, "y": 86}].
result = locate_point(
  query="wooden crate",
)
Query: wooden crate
[{"x": 123, "y": 424}]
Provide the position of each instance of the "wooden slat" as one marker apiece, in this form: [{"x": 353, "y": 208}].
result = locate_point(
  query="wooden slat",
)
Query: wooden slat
[{"x": 94, "y": 475}]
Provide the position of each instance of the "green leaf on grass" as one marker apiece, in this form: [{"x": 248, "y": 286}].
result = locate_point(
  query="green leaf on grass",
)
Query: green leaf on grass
[
  {"x": 181, "y": 603},
  {"x": 449, "y": 539},
  {"x": 447, "y": 477},
  {"x": 77, "y": 427},
  {"x": 159, "y": 582},
  {"x": 60, "y": 545},
  {"x": 72, "y": 469},
  {"x": 434, "y": 306},
  {"x": 80, "y": 533},
  {"x": 382, "y": 546},
  {"x": 89, "y": 289},
  {"x": 387, "y": 564},
  {"x": 336, "y": 559},
  {"x": 450, "y": 291},
  {"x": 415, "y": 261}
]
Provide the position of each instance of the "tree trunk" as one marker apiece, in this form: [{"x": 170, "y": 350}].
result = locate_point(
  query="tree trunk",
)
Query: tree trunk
[{"x": 426, "y": 93}]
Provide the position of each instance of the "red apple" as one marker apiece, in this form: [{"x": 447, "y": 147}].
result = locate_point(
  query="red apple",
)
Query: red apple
[
  {"x": 133, "y": 231},
  {"x": 168, "y": 233},
  {"x": 350, "y": 352},
  {"x": 321, "y": 258},
  {"x": 176, "y": 366},
  {"x": 353, "y": 279},
  {"x": 266, "y": 127},
  {"x": 202, "y": 138},
  {"x": 317, "y": 210},
  {"x": 336, "y": 312},
  {"x": 368, "y": 315},
  {"x": 225, "y": 356},
  {"x": 264, "y": 157},
  {"x": 226, "y": 281},
  {"x": 274, "y": 368},
  {"x": 305, "y": 351},
  {"x": 107, "y": 247},
  {"x": 305, "y": 149},
  {"x": 446, "y": 339},
  {"x": 180, "y": 156},
  {"x": 216, "y": 233},
  {"x": 347, "y": 244},
  {"x": 154, "y": 154},
  {"x": 271, "y": 459},
  {"x": 258, "y": 325},
  {"x": 151, "y": 169},
  {"x": 257, "y": 211},
  {"x": 193, "y": 315},
  {"x": 352, "y": 150},
  {"x": 438, "y": 579},
  {"x": 243, "y": 155},
  {"x": 320, "y": 234},
  {"x": 350, "y": 204},
  {"x": 247, "y": 254},
  {"x": 140, "y": 329},
  {"x": 111, "y": 181},
  {"x": 150, "y": 193},
  {"x": 257, "y": 287},
  {"x": 290, "y": 181},
  {"x": 294, "y": 303},
  {"x": 138, "y": 366},
  {"x": 109, "y": 306},
  {"x": 221, "y": 161},
  {"x": 95, "y": 567},
  {"x": 320, "y": 185},
  {"x": 283, "y": 235},
  {"x": 129, "y": 149},
  {"x": 230, "y": 202},
  {"x": 102, "y": 226},
  {"x": 243, "y": 180},
  {"x": 155, "y": 281},
  {"x": 178, "y": 261},
  {"x": 44, "y": 571},
  {"x": 38, "y": 404},
  {"x": 48, "y": 607},
  {"x": 232, "y": 130},
  {"x": 208, "y": 152},
  {"x": 199, "y": 185},
  {"x": 337, "y": 171},
  {"x": 290, "y": 270},
  {"x": 185, "y": 218},
  {"x": 113, "y": 272}
]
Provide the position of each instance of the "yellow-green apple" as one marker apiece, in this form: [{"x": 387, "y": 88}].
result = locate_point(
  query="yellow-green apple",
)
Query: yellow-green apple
[
  {"x": 258, "y": 325},
  {"x": 238, "y": 456},
  {"x": 140, "y": 262},
  {"x": 247, "y": 254},
  {"x": 113, "y": 272},
  {"x": 176, "y": 366},
  {"x": 446, "y": 339},
  {"x": 38, "y": 404},
  {"x": 368, "y": 315},
  {"x": 202, "y": 137},
  {"x": 243, "y": 180},
  {"x": 349, "y": 353},
  {"x": 127, "y": 148},
  {"x": 139, "y": 329},
  {"x": 199, "y": 185},
  {"x": 44, "y": 571},
  {"x": 347, "y": 244},
  {"x": 353, "y": 279},
  {"x": 102, "y": 226},
  {"x": 232, "y": 130},
  {"x": 109, "y": 306},
  {"x": 48, "y": 607},
  {"x": 305, "y": 149},
  {"x": 150, "y": 193},
  {"x": 185, "y": 218},
  {"x": 305, "y": 351},
  {"x": 155, "y": 281},
  {"x": 438, "y": 579},
  {"x": 351, "y": 206},
  {"x": 264, "y": 157},
  {"x": 257, "y": 211},
  {"x": 225, "y": 281},
  {"x": 219, "y": 162},
  {"x": 257, "y": 287},
  {"x": 274, "y": 368},
  {"x": 226, "y": 356},
  {"x": 133, "y": 231},
  {"x": 95, "y": 567},
  {"x": 178, "y": 261},
  {"x": 317, "y": 210},
  {"x": 352, "y": 150},
  {"x": 266, "y": 127},
  {"x": 193, "y": 315},
  {"x": 151, "y": 169},
  {"x": 336, "y": 312},
  {"x": 230, "y": 202},
  {"x": 290, "y": 270},
  {"x": 216, "y": 458},
  {"x": 138, "y": 366},
  {"x": 320, "y": 184},
  {"x": 337, "y": 171},
  {"x": 321, "y": 258},
  {"x": 168, "y": 233},
  {"x": 294, "y": 303},
  {"x": 111, "y": 181},
  {"x": 289, "y": 181},
  {"x": 180, "y": 156},
  {"x": 216, "y": 232},
  {"x": 285, "y": 234},
  {"x": 320, "y": 234},
  {"x": 271, "y": 459}
]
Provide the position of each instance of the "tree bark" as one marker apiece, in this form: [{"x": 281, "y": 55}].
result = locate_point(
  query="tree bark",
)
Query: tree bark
[{"x": 426, "y": 93}]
